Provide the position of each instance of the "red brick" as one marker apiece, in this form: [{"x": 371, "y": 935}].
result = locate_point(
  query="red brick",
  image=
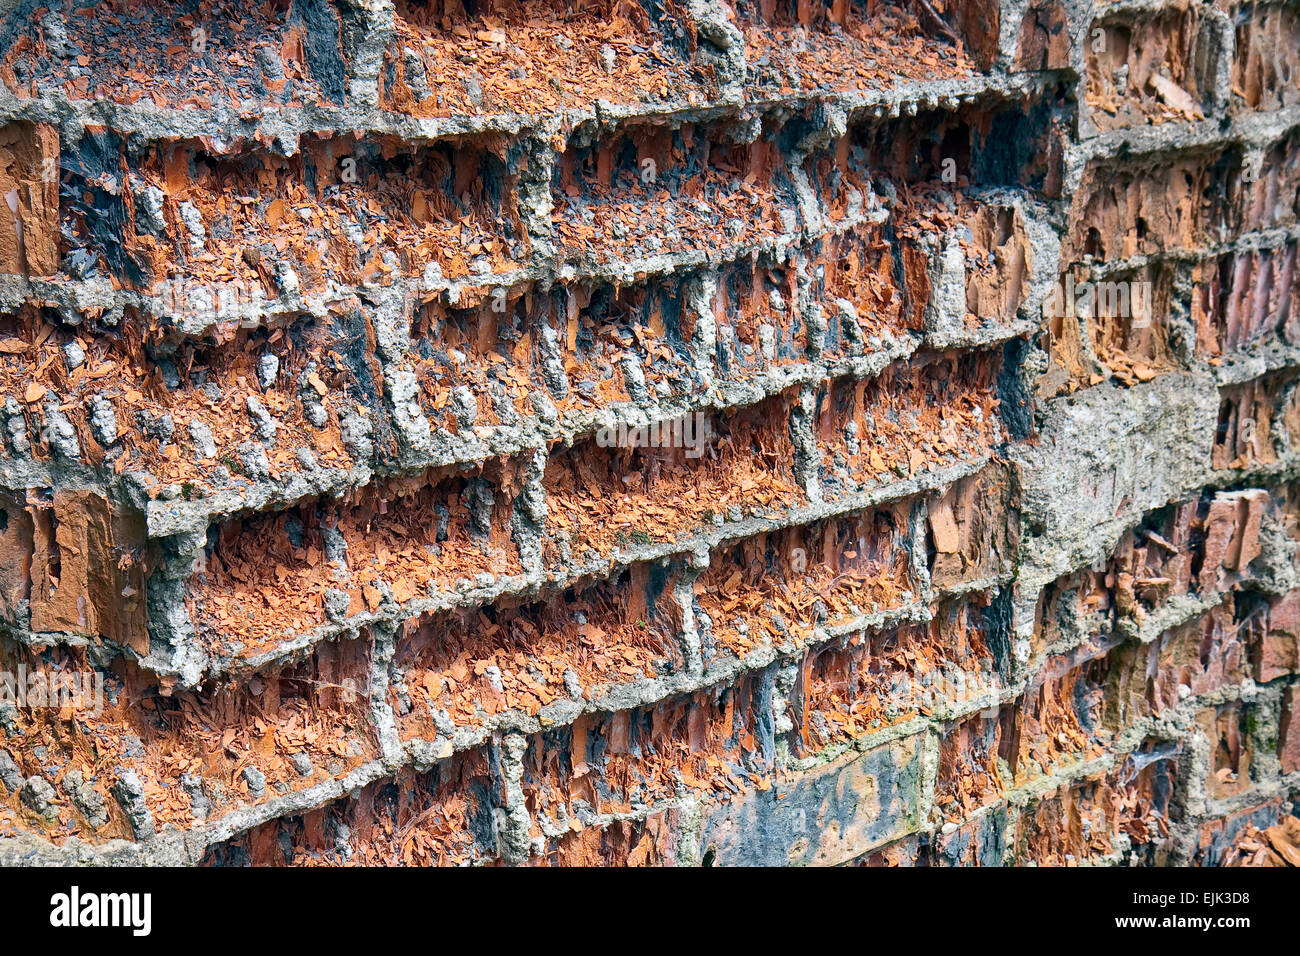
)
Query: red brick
[
  {"x": 29, "y": 176},
  {"x": 1266, "y": 56},
  {"x": 1168, "y": 60},
  {"x": 1244, "y": 299}
]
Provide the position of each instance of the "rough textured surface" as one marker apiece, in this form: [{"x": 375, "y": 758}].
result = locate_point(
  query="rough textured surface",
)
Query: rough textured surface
[{"x": 650, "y": 432}]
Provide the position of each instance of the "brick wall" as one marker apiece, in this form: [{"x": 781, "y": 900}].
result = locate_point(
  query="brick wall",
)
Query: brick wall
[{"x": 648, "y": 432}]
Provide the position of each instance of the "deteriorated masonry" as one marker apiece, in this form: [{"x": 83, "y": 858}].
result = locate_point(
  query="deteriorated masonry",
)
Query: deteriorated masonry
[{"x": 649, "y": 431}]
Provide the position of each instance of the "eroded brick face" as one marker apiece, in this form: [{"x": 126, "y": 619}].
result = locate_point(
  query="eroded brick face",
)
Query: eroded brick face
[{"x": 650, "y": 433}]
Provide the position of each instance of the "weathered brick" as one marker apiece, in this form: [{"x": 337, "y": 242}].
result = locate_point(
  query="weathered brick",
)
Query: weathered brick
[
  {"x": 1151, "y": 207},
  {"x": 969, "y": 778},
  {"x": 672, "y": 480},
  {"x": 1231, "y": 749},
  {"x": 870, "y": 681},
  {"x": 973, "y": 530},
  {"x": 1131, "y": 807},
  {"x": 982, "y": 841},
  {"x": 1266, "y": 56},
  {"x": 851, "y": 44},
  {"x": 910, "y": 851},
  {"x": 1277, "y": 649},
  {"x": 197, "y": 755},
  {"x": 29, "y": 186},
  {"x": 654, "y": 841},
  {"x": 87, "y": 568},
  {"x": 443, "y": 817},
  {"x": 397, "y": 541},
  {"x": 1152, "y": 68},
  {"x": 1121, "y": 327},
  {"x": 134, "y": 52},
  {"x": 772, "y": 588},
  {"x": 1061, "y": 720},
  {"x": 446, "y": 210},
  {"x": 16, "y": 550},
  {"x": 623, "y": 196},
  {"x": 1217, "y": 838},
  {"x": 1257, "y": 420},
  {"x": 911, "y": 419},
  {"x": 866, "y": 270},
  {"x": 616, "y": 432},
  {"x": 1247, "y": 298},
  {"x": 716, "y": 741},
  {"x": 476, "y": 665},
  {"x": 549, "y": 43},
  {"x": 823, "y": 816},
  {"x": 1193, "y": 659},
  {"x": 1043, "y": 40}
]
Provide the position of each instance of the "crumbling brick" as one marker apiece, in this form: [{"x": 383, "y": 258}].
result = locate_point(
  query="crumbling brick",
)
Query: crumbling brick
[
  {"x": 1257, "y": 420},
  {"x": 1188, "y": 661},
  {"x": 408, "y": 538},
  {"x": 973, "y": 530},
  {"x": 1268, "y": 199},
  {"x": 910, "y": 851},
  {"x": 713, "y": 741},
  {"x": 644, "y": 188},
  {"x": 16, "y": 551},
  {"x": 193, "y": 755},
  {"x": 850, "y": 44},
  {"x": 585, "y": 347},
  {"x": 1121, "y": 327},
  {"x": 29, "y": 191},
  {"x": 1151, "y": 68},
  {"x": 653, "y": 841},
  {"x": 1126, "y": 210},
  {"x": 275, "y": 226},
  {"x": 1266, "y": 55},
  {"x": 867, "y": 682},
  {"x": 1246, "y": 299},
  {"x": 861, "y": 278},
  {"x": 443, "y": 817},
  {"x": 1231, "y": 749},
  {"x": 216, "y": 54},
  {"x": 1059, "y": 721},
  {"x": 1276, "y": 647},
  {"x": 1131, "y": 808},
  {"x": 981, "y": 841},
  {"x": 774, "y": 588},
  {"x": 912, "y": 418},
  {"x": 1288, "y": 745},
  {"x": 464, "y": 670},
  {"x": 669, "y": 482},
  {"x": 968, "y": 767},
  {"x": 1198, "y": 548},
  {"x": 513, "y": 57},
  {"x": 1217, "y": 839},
  {"x": 758, "y": 321},
  {"x": 182, "y": 418},
  {"x": 1043, "y": 40},
  {"x": 87, "y": 568}
]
